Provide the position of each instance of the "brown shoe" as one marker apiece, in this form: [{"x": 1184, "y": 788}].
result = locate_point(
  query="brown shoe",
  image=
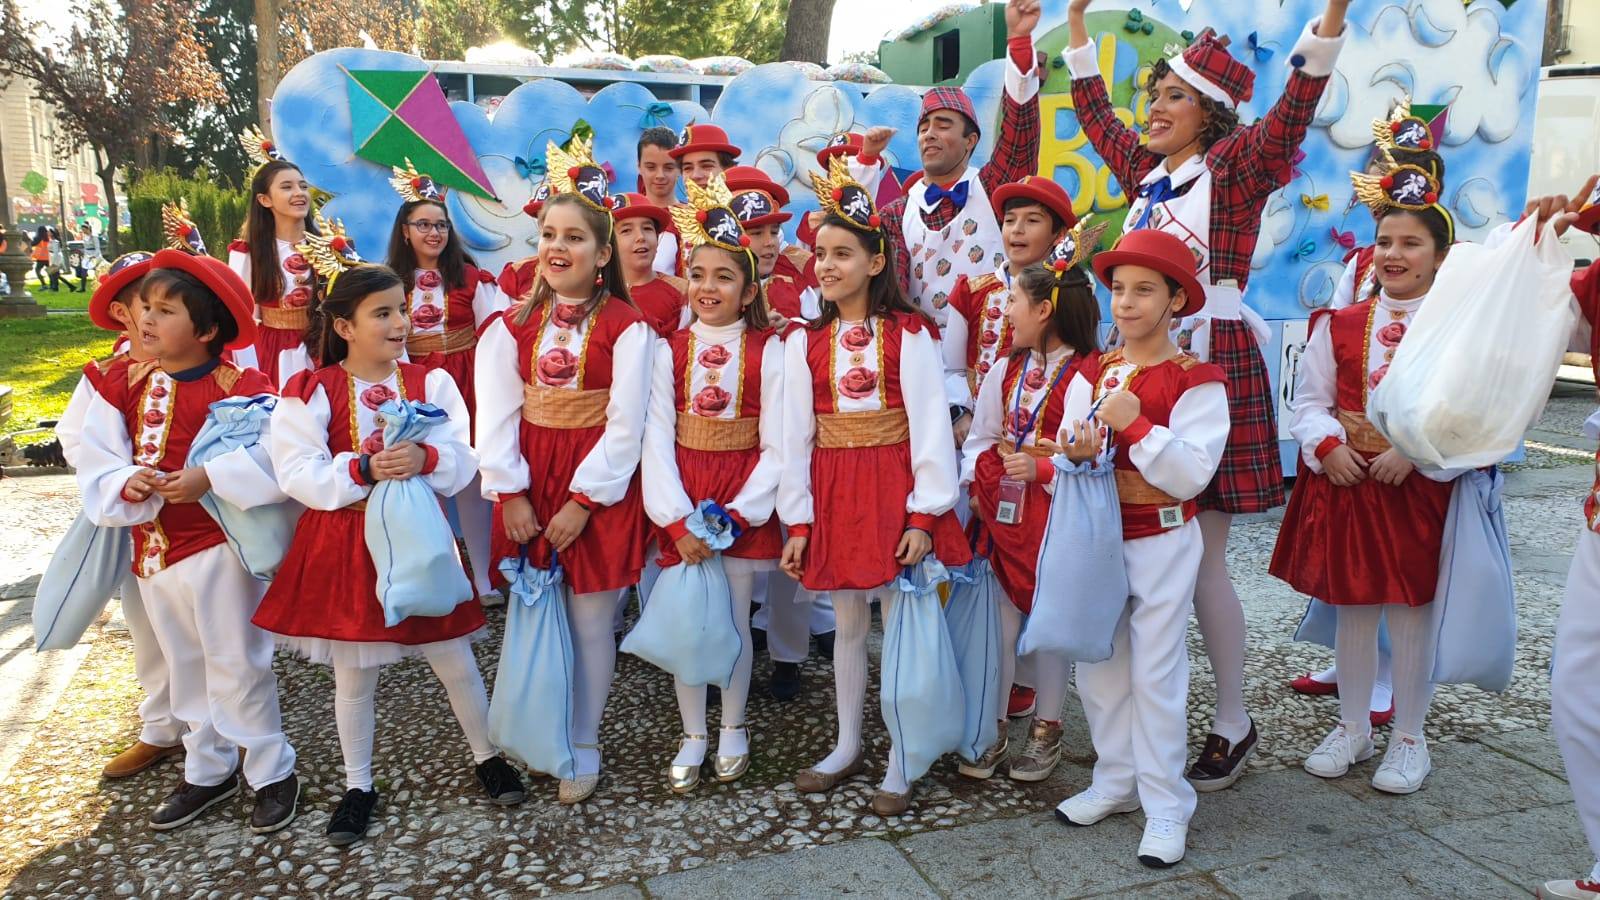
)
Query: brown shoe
[
  {"x": 816, "y": 781},
  {"x": 137, "y": 758},
  {"x": 1040, "y": 754},
  {"x": 888, "y": 803}
]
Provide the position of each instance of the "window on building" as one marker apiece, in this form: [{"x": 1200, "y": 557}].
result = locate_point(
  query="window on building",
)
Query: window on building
[{"x": 947, "y": 55}]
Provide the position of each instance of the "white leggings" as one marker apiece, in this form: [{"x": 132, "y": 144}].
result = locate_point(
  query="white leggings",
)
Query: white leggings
[
  {"x": 1412, "y": 638},
  {"x": 1047, "y": 672},
  {"x": 594, "y": 646},
  {"x": 742, "y": 575},
  {"x": 355, "y": 712}
]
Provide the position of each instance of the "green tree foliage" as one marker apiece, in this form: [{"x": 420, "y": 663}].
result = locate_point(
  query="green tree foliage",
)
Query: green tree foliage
[
  {"x": 448, "y": 27},
  {"x": 752, "y": 29},
  {"x": 217, "y": 210},
  {"x": 210, "y": 144}
]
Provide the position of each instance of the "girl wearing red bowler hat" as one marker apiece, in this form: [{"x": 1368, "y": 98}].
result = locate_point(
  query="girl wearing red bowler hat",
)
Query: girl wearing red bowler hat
[{"x": 1168, "y": 414}]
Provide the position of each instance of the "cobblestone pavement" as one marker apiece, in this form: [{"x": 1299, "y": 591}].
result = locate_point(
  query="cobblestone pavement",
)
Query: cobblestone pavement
[{"x": 1495, "y": 817}]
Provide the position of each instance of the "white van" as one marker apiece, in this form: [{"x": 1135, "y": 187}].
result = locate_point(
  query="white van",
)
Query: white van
[{"x": 1566, "y": 151}]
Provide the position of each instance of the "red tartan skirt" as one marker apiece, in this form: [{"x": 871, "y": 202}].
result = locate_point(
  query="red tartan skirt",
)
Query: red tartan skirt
[
  {"x": 609, "y": 553},
  {"x": 272, "y": 341},
  {"x": 718, "y": 475},
  {"x": 1013, "y": 550},
  {"x": 859, "y": 515},
  {"x": 1250, "y": 477}
]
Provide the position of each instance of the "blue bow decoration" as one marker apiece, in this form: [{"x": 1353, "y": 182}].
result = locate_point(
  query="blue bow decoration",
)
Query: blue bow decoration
[
  {"x": 655, "y": 114},
  {"x": 1304, "y": 250},
  {"x": 532, "y": 169},
  {"x": 957, "y": 194},
  {"x": 1262, "y": 54}
]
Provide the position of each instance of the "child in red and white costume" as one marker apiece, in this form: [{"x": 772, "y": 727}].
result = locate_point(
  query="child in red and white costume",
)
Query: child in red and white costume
[
  {"x": 265, "y": 258},
  {"x": 1053, "y": 317},
  {"x": 1364, "y": 527},
  {"x": 869, "y": 479},
  {"x": 658, "y": 182},
  {"x": 716, "y": 408},
  {"x": 328, "y": 449},
  {"x": 1168, "y": 414},
  {"x": 641, "y": 225},
  {"x": 134, "y": 448},
  {"x": 563, "y": 383},
  {"x": 1205, "y": 179},
  {"x": 111, "y": 307}
]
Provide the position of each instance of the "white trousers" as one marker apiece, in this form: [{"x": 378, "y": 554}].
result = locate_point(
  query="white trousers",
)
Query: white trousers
[
  {"x": 790, "y": 615},
  {"x": 159, "y": 726},
  {"x": 1574, "y": 689},
  {"x": 222, "y": 682},
  {"x": 1137, "y": 701}
]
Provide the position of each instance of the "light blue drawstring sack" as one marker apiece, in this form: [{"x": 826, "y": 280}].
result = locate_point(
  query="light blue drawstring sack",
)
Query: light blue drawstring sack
[
  {"x": 1474, "y": 605},
  {"x": 412, "y": 547},
  {"x": 259, "y": 536},
  {"x": 973, "y": 619},
  {"x": 1081, "y": 591},
  {"x": 1320, "y": 625},
  {"x": 530, "y": 715},
  {"x": 687, "y": 628},
  {"x": 920, "y": 694},
  {"x": 87, "y": 568}
]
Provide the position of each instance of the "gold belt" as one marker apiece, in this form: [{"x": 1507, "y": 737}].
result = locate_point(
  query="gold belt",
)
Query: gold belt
[
  {"x": 701, "y": 433},
  {"x": 1361, "y": 434},
  {"x": 454, "y": 340},
  {"x": 874, "y": 428},
  {"x": 555, "y": 408},
  {"x": 1133, "y": 489},
  {"x": 1008, "y": 447},
  {"x": 287, "y": 318}
]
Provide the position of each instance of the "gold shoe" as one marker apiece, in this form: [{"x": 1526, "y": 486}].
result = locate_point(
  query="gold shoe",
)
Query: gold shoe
[
  {"x": 683, "y": 779},
  {"x": 578, "y": 789},
  {"x": 729, "y": 768},
  {"x": 816, "y": 781},
  {"x": 888, "y": 803}
]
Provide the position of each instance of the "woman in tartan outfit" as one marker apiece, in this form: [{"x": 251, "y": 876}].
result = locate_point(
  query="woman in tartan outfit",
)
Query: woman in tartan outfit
[{"x": 1205, "y": 178}]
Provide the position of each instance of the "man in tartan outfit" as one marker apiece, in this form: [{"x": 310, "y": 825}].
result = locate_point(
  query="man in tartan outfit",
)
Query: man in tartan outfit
[{"x": 1205, "y": 179}]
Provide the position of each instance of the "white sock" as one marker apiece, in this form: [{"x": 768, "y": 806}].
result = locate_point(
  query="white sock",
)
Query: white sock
[
  {"x": 1412, "y": 639},
  {"x": 457, "y": 669},
  {"x": 733, "y": 741},
  {"x": 691, "y": 752},
  {"x": 854, "y": 618},
  {"x": 595, "y": 656},
  {"x": 1329, "y": 675},
  {"x": 355, "y": 715},
  {"x": 1356, "y": 653},
  {"x": 1221, "y": 620},
  {"x": 1383, "y": 689}
]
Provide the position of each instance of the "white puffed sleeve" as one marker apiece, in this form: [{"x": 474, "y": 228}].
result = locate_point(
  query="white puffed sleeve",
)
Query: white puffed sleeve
[
  {"x": 953, "y": 349},
  {"x": 665, "y": 500},
  {"x": 933, "y": 458},
  {"x": 239, "y": 262},
  {"x": 799, "y": 434},
  {"x": 245, "y": 476},
  {"x": 758, "y": 496},
  {"x": 1021, "y": 86},
  {"x": 487, "y": 300},
  {"x": 988, "y": 417},
  {"x": 69, "y": 428},
  {"x": 1181, "y": 457},
  {"x": 498, "y": 385},
  {"x": 457, "y": 462},
  {"x": 666, "y": 261},
  {"x": 1311, "y": 412},
  {"x": 244, "y": 357},
  {"x": 105, "y": 463},
  {"x": 297, "y": 359},
  {"x": 1075, "y": 408},
  {"x": 307, "y": 471},
  {"x": 608, "y": 469},
  {"x": 1344, "y": 293}
]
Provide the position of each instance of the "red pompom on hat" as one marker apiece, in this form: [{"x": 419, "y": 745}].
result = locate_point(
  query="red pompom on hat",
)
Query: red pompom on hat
[
  {"x": 1209, "y": 68},
  {"x": 222, "y": 281},
  {"x": 125, "y": 270},
  {"x": 1156, "y": 250},
  {"x": 1040, "y": 189},
  {"x": 703, "y": 139}
]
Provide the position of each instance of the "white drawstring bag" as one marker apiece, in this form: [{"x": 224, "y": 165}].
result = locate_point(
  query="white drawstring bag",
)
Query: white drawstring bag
[{"x": 1477, "y": 364}]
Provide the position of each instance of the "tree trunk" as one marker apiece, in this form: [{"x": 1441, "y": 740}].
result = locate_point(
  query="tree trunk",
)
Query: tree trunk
[
  {"x": 805, "y": 36},
  {"x": 266, "y": 59},
  {"x": 108, "y": 183}
]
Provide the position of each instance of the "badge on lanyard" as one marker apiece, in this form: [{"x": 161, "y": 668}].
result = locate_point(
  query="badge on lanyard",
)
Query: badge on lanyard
[{"x": 1014, "y": 492}]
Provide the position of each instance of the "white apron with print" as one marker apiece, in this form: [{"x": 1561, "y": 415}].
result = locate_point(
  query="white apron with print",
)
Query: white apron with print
[{"x": 970, "y": 245}]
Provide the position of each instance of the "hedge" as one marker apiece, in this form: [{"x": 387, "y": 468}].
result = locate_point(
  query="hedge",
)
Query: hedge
[{"x": 217, "y": 211}]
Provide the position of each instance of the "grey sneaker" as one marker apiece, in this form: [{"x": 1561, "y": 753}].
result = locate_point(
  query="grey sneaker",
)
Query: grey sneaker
[{"x": 1040, "y": 754}]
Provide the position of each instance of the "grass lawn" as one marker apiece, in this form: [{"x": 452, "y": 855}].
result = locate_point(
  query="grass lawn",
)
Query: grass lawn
[
  {"x": 42, "y": 360},
  {"x": 62, "y": 299}
]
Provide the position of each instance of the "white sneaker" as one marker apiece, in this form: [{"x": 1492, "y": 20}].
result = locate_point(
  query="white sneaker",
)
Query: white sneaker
[
  {"x": 1338, "y": 752},
  {"x": 1405, "y": 765},
  {"x": 1090, "y": 806},
  {"x": 1163, "y": 842},
  {"x": 1580, "y": 889}
]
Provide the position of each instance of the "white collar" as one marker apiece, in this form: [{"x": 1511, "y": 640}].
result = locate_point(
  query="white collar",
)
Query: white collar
[
  {"x": 1389, "y": 302},
  {"x": 1190, "y": 169},
  {"x": 717, "y": 334}
]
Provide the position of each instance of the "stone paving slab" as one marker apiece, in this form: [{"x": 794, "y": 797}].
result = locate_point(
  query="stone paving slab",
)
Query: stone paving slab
[
  {"x": 1401, "y": 865},
  {"x": 1526, "y": 847},
  {"x": 868, "y": 868}
]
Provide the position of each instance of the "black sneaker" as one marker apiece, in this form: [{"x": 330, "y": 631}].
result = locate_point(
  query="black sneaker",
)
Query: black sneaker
[
  {"x": 275, "y": 805},
  {"x": 351, "y": 817},
  {"x": 500, "y": 781},
  {"x": 825, "y": 645},
  {"x": 758, "y": 641},
  {"x": 185, "y": 804},
  {"x": 785, "y": 683},
  {"x": 1221, "y": 764}
]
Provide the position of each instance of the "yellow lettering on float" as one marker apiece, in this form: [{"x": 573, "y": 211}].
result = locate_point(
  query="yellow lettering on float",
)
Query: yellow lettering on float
[{"x": 1096, "y": 189}]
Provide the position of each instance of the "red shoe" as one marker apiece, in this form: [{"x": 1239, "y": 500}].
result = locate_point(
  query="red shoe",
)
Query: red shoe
[
  {"x": 1305, "y": 684},
  {"x": 1381, "y": 718},
  {"x": 1021, "y": 702}
]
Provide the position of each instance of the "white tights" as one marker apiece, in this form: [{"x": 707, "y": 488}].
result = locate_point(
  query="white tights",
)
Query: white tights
[
  {"x": 475, "y": 515},
  {"x": 1412, "y": 642},
  {"x": 1048, "y": 672},
  {"x": 355, "y": 713},
  {"x": 594, "y": 647},
  {"x": 853, "y": 612},
  {"x": 734, "y": 740},
  {"x": 1221, "y": 618}
]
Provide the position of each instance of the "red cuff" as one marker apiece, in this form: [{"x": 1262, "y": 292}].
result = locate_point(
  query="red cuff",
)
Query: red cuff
[
  {"x": 678, "y": 529},
  {"x": 355, "y": 471},
  {"x": 800, "y": 531},
  {"x": 921, "y": 522},
  {"x": 584, "y": 501},
  {"x": 804, "y": 233},
  {"x": 430, "y": 459},
  {"x": 1020, "y": 49},
  {"x": 1044, "y": 470},
  {"x": 1327, "y": 446},
  {"x": 866, "y": 160},
  {"x": 1136, "y": 431}
]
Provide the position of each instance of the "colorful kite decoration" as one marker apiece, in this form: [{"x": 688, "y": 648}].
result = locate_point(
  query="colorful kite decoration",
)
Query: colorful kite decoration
[{"x": 401, "y": 116}]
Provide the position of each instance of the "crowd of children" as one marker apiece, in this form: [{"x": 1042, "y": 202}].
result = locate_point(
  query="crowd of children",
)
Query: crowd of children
[{"x": 848, "y": 412}]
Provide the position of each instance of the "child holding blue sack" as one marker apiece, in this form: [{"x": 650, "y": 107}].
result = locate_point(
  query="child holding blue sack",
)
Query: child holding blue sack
[
  {"x": 712, "y": 434},
  {"x": 328, "y": 447}
]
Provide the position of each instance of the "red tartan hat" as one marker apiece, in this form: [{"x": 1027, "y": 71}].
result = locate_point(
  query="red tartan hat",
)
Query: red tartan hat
[
  {"x": 948, "y": 98},
  {"x": 1208, "y": 67}
]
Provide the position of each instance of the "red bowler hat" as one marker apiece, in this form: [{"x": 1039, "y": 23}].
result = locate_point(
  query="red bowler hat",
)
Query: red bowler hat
[
  {"x": 757, "y": 199},
  {"x": 1156, "y": 250},
  {"x": 634, "y": 205},
  {"x": 125, "y": 270},
  {"x": 703, "y": 139},
  {"x": 847, "y": 142},
  {"x": 1039, "y": 189},
  {"x": 224, "y": 282}
]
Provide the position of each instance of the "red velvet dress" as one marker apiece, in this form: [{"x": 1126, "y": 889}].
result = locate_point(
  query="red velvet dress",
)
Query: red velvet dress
[
  {"x": 450, "y": 328},
  {"x": 660, "y": 300},
  {"x": 283, "y": 319}
]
